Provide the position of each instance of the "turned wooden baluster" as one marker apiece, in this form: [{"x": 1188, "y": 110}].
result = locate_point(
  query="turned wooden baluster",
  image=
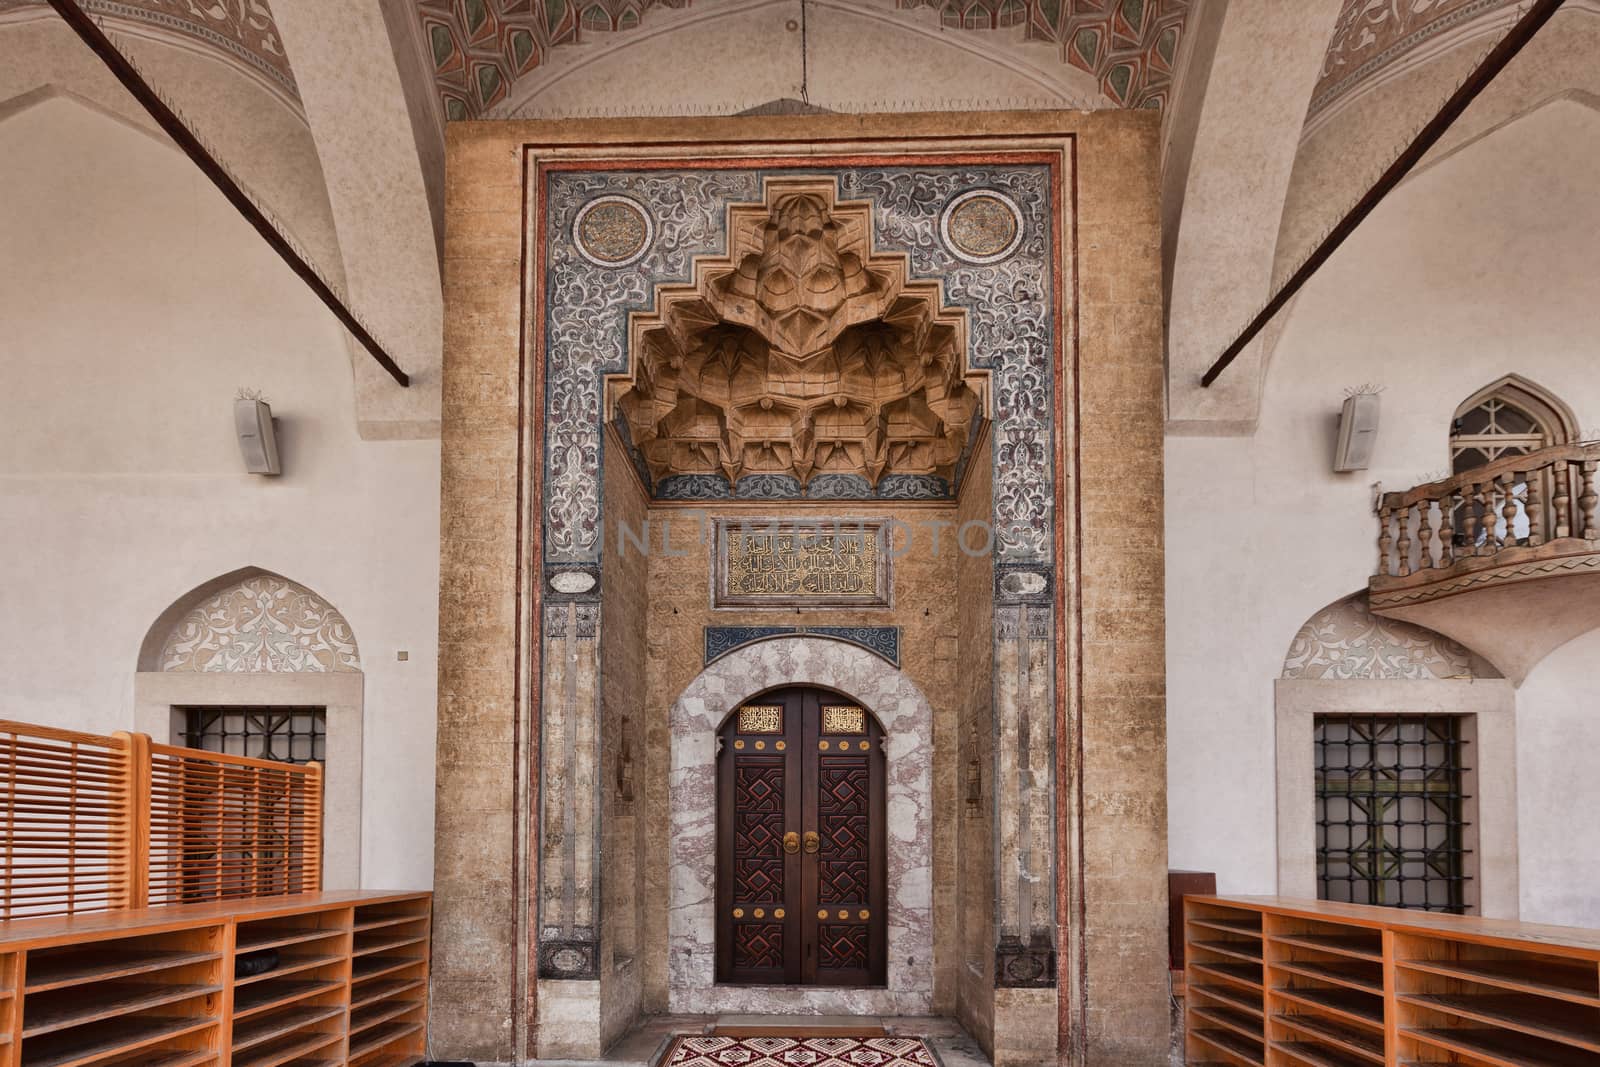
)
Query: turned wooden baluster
[
  {"x": 1385, "y": 539},
  {"x": 1588, "y": 499},
  {"x": 1563, "y": 498},
  {"x": 1469, "y": 513},
  {"x": 1508, "y": 508},
  {"x": 1403, "y": 546},
  {"x": 1425, "y": 535},
  {"x": 1485, "y": 494},
  {"x": 1447, "y": 527},
  {"x": 1535, "y": 506}
]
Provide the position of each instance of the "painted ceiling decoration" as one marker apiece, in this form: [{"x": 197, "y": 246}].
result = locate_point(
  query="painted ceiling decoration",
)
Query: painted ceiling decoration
[
  {"x": 1373, "y": 35},
  {"x": 802, "y": 355},
  {"x": 243, "y": 32},
  {"x": 479, "y": 48},
  {"x": 1130, "y": 46}
]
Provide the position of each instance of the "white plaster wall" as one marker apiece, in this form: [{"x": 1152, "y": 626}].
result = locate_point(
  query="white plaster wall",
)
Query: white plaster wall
[
  {"x": 134, "y": 304},
  {"x": 1482, "y": 264},
  {"x": 1560, "y": 846}
]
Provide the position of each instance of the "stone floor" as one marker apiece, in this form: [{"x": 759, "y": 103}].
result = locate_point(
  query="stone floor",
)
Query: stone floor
[{"x": 647, "y": 1044}]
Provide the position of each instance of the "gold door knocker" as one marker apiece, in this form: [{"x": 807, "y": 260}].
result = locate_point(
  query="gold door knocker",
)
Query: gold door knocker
[
  {"x": 813, "y": 842},
  {"x": 791, "y": 842}
]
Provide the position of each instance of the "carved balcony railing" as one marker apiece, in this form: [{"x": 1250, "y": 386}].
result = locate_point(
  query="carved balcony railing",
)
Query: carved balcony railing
[{"x": 1500, "y": 557}]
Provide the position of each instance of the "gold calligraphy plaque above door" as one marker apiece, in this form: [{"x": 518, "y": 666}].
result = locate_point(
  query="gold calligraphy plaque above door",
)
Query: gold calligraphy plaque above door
[{"x": 777, "y": 564}]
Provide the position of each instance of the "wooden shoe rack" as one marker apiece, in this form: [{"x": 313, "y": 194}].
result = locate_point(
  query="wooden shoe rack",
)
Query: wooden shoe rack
[
  {"x": 158, "y": 988},
  {"x": 1298, "y": 983}
]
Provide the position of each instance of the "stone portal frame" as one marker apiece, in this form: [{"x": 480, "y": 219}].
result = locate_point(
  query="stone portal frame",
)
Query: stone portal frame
[
  {"x": 1104, "y": 591},
  {"x": 585, "y": 330},
  {"x": 907, "y": 720}
]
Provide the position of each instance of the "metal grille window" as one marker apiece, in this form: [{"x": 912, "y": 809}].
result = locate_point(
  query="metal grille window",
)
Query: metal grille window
[
  {"x": 1389, "y": 811},
  {"x": 288, "y": 735}
]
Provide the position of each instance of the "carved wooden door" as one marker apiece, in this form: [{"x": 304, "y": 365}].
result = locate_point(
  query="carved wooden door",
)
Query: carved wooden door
[{"x": 801, "y": 864}]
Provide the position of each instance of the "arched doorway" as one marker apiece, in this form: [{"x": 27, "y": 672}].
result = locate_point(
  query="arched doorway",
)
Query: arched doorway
[{"x": 801, "y": 842}]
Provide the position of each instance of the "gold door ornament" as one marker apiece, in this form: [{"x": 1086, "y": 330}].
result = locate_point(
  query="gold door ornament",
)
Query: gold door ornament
[
  {"x": 844, "y": 720},
  {"x": 761, "y": 719}
]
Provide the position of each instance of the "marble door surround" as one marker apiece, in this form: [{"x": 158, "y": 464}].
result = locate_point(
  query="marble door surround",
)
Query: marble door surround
[{"x": 907, "y": 721}]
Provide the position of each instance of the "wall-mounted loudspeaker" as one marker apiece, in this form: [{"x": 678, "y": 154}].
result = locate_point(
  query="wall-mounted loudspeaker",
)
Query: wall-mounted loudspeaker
[
  {"x": 1358, "y": 432},
  {"x": 252, "y": 421}
]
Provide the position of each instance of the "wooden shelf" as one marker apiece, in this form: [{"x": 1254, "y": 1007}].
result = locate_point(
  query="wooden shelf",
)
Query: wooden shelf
[
  {"x": 48, "y": 1012},
  {"x": 287, "y": 1048},
  {"x": 380, "y": 1036},
  {"x": 261, "y": 1029},
  {"x": 1228, "y": 1041},
  {"x": 161, "y": 1058},
  {"x": 264, "y": 996},
  {"x": 1243, "y": 950},
  {"x": 365, "y": 967},
  {"x": 1366, "y": 977},
  {"x": 372, "y": 992},
  {"x": 128, "y": 989},
  {"x": 1505, "y": 1050},
  {"x": 1228, "y": 926},
  {"x": 1349, "y": 1004},
  {"x": 367, "y": 925},
  {"x": 56, "y": 970},
  {"x": 1522, "y": 1012},
  {"x": 385, "y": 944},
  {"x": 1317, "y": 1055},
  {"x": 1346, "y": 1038},
  {"x": 374, "y": 1014},
  {"x": 288, "y": 965},
  {"x": 1229, "y": 997},
  {"x": 1245, "y": 975},
  {"x": 1551, "y": 978},
  {"x": 1358, "y": 986},
  {"x": 94, "y": 1042},
  {"x": 398, "y": 1059},
  {"x": 1357, "y": 946},
  {"x": 260, "y": 940}
]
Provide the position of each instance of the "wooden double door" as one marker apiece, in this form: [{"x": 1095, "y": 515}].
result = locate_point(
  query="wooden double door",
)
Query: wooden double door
[{"x": 801, "y": 842}]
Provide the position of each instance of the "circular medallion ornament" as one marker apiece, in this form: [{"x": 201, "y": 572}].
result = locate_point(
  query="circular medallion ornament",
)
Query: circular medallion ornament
[
  {"x": 981, "y": 226},
  {"x": 612, "y": 231}
]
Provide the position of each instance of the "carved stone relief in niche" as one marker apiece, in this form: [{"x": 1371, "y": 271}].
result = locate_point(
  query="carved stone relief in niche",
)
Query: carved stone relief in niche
[
  {"x": 1008, "y": 304},
  {"x": 801, "y": 354}
]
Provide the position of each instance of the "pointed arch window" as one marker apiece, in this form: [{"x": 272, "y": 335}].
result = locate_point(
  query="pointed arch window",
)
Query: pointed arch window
[{"x": 1511, "y": 417}]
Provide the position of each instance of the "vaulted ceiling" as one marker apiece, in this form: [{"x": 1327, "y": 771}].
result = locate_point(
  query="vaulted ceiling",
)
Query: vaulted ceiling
[
  {"x": 479, "y": 48},
  {"x": 242, "y": 32}
]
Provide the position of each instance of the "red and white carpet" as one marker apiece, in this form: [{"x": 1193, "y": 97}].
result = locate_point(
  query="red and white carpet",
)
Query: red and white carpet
[{"x": 799, "y": 1052}]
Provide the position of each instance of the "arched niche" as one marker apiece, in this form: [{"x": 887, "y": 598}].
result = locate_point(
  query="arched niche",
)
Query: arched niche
[
  {"x": 250, "y": 620},
  {"x": 1345, "y": 641},
  {"x": 907, "y": 718},
  {"x": 1345, "y": 661},
  {"x": 250, "y": 639}
]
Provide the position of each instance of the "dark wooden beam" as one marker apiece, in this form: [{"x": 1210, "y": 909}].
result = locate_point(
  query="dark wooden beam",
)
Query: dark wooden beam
[
  {"x": 1426, "y": 138},
  {"x": 212, "y": 168}
]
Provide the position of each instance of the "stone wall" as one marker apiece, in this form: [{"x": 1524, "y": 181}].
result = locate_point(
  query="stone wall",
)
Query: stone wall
[
  {"x": 975, "y": 874},
  {"x": 624, "y": 600}
]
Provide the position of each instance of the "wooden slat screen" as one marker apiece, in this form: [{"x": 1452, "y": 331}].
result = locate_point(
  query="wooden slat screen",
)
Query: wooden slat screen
[
  {"x": 64, "y": 806},
  {"x": 92, "y": 823},
  {"x": 229, "y": 827}
]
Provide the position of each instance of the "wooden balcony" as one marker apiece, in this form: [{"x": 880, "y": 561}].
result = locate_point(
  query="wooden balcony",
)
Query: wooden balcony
[{"x": 1504, "y": 558}]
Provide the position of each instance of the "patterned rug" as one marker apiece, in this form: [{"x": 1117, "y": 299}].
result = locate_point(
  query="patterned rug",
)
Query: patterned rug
[{"x": 799, "y": 1052}]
